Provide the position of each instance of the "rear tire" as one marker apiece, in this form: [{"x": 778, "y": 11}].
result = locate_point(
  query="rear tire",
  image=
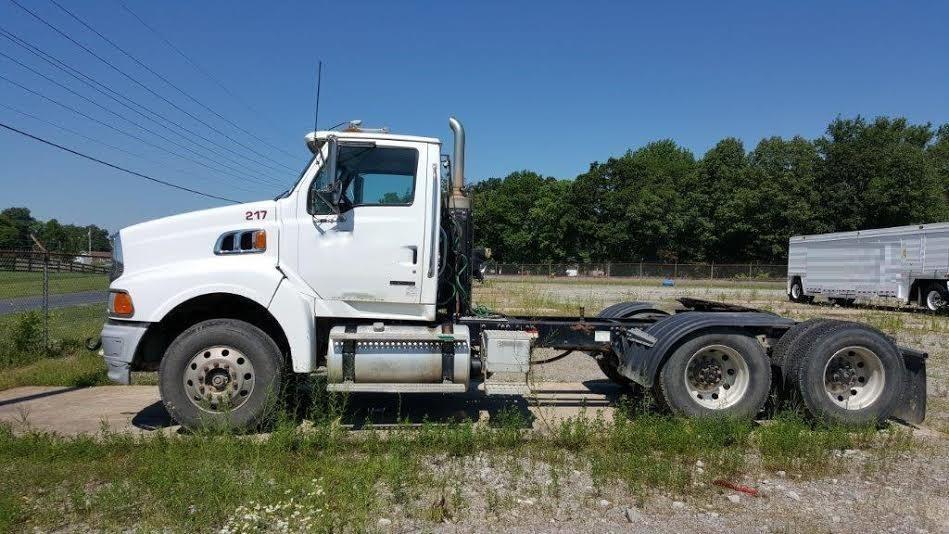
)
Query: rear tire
[
  {"x": 851, "y": 375},
  {"x": 608, "y": 361},
  {"x": 843, "y": 302},
  {"x": 716, "y": 374},
  {"x": 787, "y": 352},
  {"x": 221, "y": 373}
]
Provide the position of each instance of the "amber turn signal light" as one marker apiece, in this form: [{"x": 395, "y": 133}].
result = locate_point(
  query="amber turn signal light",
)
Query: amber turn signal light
[
  {"x": 120, "y": 304},
  {"x": 260, "y": 240}
]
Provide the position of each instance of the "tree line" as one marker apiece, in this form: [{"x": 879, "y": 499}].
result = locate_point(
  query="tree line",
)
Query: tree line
[
  {"x": 16, "y": 225},
  {"x": 660, "y": 203}
]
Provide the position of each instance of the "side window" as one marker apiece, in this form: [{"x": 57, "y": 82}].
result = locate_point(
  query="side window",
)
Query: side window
[{"x": 378, "y": 176}]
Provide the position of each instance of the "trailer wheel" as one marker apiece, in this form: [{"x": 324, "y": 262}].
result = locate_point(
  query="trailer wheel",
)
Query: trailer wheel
[
  {"x": 716, "y": 374},
  {"x": 797, "y": 291},
  {"x": 843, "y": 302},
  {"x": 851, "y": 375},
  {"x": 221, "y": 372},
  {"x": 937, "y": 297}
]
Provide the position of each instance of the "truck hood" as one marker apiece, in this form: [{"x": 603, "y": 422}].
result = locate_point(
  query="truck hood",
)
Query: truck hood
[{"x": 192, "y": 236}]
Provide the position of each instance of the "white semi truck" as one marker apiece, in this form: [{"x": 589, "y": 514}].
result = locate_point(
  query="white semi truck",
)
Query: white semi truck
[
  {"x": 362, "y": 272},
  {"x": 907, "y": 263}
]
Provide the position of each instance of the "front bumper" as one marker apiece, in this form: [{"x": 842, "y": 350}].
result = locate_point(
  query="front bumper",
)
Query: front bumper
[{"x": 119, "y": 342}]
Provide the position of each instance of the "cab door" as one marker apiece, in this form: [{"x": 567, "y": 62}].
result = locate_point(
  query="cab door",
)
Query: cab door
[{"x": 373, "y": 249}]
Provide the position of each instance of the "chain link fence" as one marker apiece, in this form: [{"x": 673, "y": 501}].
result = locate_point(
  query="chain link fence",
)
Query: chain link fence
[
  {"x": 695, "y": 271},
  {"x": 50, "y": 303}
]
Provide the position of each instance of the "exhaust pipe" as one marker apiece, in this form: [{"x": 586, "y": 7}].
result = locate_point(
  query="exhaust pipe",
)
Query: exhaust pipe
[{"x": 458, "y": 198}]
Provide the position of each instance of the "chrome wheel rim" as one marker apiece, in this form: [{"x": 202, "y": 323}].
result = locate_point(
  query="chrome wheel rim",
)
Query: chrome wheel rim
[
  {"x": 796, "y": 291},
  {"x": 219, "y": 378},
  {"x": 934, "y": 300},
  {"x": 854, "y": 378},
  {"x": 717, "y": 377}
]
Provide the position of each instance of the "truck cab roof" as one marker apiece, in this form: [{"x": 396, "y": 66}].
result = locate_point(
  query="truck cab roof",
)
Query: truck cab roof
[{"x": 313, "y": 137}]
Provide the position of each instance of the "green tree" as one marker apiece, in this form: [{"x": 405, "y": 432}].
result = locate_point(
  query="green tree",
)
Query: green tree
[{"x": 877, "y": 174}]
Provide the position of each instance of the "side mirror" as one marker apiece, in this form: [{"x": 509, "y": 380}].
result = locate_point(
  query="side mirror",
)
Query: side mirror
[{"x": 323, "y": 198}]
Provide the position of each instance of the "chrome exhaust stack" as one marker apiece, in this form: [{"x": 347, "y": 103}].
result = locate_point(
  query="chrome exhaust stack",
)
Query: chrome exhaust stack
[{"x": 458, "y": 199}]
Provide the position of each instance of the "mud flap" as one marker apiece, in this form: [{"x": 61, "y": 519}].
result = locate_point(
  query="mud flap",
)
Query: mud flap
[{"x": 912, "y": 407}]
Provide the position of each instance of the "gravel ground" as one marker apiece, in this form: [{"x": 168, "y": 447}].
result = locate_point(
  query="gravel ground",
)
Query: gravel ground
[{"x": 520, "y": 495}]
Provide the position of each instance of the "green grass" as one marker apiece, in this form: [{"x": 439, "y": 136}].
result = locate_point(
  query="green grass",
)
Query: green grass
[
  {"x": 321, "y": 477},
  {"x": 21, "y": 337},
  {"x": 82, "y": 370},
  {"x": 27, "y": 284}
]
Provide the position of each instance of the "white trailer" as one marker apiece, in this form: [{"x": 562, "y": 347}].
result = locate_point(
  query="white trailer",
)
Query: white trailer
[{"x": 909, "y": 263}]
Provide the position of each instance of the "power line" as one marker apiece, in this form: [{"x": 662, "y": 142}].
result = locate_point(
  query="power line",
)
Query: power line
[
  {"x": 123, "y": 169},
  {"x": 113, "y": 147},
  {"x": 130, "y": 121},
  {"x": 162, "y": 78},
  {"x": 122, "y": 99},
  {"x": 195, "y": 64},
  {"x": 107, "y": 125},
  {"x": 141, "y": 84}
]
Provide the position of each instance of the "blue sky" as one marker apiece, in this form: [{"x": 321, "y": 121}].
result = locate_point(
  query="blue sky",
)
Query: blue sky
[{"x": 547, "y": 86}]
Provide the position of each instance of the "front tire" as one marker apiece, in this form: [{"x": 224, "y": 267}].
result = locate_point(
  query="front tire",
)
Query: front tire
[
  {"x": 221, "y": 373},
  {"x": 716, "y": 374}
]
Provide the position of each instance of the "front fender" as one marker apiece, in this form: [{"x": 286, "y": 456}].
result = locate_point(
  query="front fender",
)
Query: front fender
[
  {"x": 158, "y": 291},
  {"x": 641, "y": 363}
]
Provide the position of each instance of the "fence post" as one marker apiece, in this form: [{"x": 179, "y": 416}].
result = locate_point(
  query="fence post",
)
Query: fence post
[
  {"x": 749, "y": 270},
  {"x": 675, "y": 269},
  {"x": 711, "y": 273},
  {"x": 46, "y": 304},
  {"x": 640, "y": 269},
  {"x": 609, "y": 270}
]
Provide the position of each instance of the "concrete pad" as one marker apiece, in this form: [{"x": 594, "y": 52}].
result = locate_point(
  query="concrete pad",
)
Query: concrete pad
[
  {"x": 83, "y": 410},
  {"x": 138, "y": 409}
]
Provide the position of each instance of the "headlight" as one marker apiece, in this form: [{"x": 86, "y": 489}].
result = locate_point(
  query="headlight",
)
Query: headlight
[{"x": 117, "y": 265}]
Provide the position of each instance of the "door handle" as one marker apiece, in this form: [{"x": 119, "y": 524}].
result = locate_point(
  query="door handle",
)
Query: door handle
[{"x": 414, "y": 250}]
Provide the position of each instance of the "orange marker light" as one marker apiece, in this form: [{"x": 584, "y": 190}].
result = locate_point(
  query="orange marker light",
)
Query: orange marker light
[
  {"x": 260, "y": 240},
  {"x": 122, "y": 304}
]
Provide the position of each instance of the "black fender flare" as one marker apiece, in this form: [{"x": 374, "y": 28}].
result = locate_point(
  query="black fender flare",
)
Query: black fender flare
[
  {"x": 627, "y": 309},
  {"x": 641, "y": 363}
]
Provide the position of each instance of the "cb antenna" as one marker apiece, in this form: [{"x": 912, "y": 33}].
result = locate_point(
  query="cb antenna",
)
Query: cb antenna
[{"x": 319, "y": 79}]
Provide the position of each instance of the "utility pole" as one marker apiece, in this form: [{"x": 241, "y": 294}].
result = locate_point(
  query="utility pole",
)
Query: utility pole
[{"x": 89, "y": 250}]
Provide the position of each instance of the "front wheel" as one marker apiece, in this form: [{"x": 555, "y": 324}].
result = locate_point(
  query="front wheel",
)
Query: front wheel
[
  {"x": 717, "y": 374},
  {"x": 221, "y": 373}
]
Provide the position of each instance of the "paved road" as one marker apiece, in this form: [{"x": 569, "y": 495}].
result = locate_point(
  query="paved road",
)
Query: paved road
[
  {"x": 63, "y": 300},
  {"x": 138, "y": 409}
]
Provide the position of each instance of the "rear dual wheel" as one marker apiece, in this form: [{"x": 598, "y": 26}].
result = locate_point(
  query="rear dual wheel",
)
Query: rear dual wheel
[
  {"x": 844, "y": 372},
  {"x": 716, "y": 374}
]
